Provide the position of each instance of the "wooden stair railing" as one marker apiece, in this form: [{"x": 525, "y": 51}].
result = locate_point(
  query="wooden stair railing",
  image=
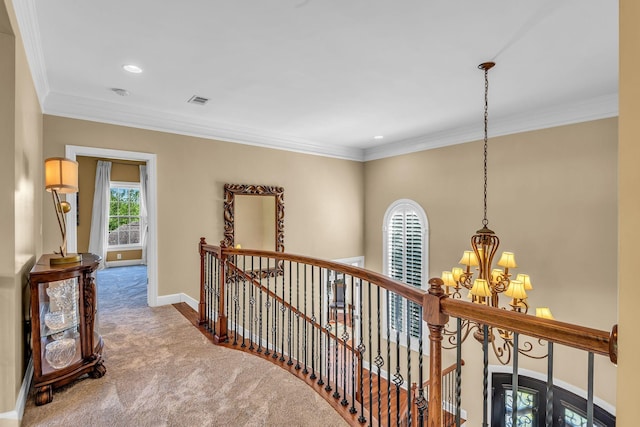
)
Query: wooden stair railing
[
  {"x": 449, "y": 419},
  {"x": 275, "y": 305}
]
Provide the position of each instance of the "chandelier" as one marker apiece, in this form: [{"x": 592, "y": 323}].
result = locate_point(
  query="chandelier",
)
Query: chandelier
[{"x": 490, "y": 282}]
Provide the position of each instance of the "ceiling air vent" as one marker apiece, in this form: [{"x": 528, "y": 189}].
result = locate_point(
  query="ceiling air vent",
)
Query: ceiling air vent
[{"x": 199, "y": 100}]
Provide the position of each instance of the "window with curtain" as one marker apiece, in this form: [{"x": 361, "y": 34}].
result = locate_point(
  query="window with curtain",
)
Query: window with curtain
[
  {"x": 405, "y": 259},
  {"x": 124, "y": 215}
]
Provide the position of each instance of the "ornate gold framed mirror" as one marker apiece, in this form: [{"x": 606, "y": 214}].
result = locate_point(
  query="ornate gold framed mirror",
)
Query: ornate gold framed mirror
[{"x": 254, "y": 217}]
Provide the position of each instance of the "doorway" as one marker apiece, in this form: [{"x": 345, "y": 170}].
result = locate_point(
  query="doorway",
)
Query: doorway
[{"x": 71, "y": 152}]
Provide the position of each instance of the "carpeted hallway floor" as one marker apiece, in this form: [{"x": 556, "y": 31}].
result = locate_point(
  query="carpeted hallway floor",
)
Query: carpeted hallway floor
[{"x": 161, "y": 371}]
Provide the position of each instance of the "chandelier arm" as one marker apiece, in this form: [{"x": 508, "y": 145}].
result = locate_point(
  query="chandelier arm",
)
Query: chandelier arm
[
  {"x": 527, "y": 349},
  {"x": 451, "y": 334},
  {"x": 503, "y": 353}
]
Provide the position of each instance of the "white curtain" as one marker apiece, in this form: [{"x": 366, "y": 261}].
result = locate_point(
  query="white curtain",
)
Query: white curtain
[
  {"x": 143, "y": 211},
  {"x": 99, "y": 237}
]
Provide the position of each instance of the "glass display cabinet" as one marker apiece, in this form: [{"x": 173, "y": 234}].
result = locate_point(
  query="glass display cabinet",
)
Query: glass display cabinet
[{"x": 65, "y": 339}]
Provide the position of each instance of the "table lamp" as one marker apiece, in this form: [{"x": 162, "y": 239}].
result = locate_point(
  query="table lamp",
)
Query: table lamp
[{"x": 61, "y": 176}]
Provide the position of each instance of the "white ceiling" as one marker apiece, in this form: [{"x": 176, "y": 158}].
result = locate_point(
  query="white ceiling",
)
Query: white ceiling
[{"x": 325, "y": 76}]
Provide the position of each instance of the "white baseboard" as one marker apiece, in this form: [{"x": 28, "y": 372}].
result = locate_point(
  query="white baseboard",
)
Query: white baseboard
[
  {"x": 8, "y": 418},
  {"x": 123, "y": 263},
  {"x": 177, "y": 298}
]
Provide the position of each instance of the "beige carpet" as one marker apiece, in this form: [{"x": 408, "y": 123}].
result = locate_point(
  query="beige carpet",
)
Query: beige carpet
[{"x": 161, "y": 371}]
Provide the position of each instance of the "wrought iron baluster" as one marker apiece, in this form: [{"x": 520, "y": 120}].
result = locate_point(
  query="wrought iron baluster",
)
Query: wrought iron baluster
[
  {"x": 280, "y": 273},
  {"x": 304, "y": 324},
  {"x": 236, "y": 306},
  {"x": 514, "y": 381},
  {"x": 252, "y": 306},
  {"x": 485, "y": 374},
  {"x": 370, "y": 347},
  {"x": 590, "y": 390},
  {"x": 244, "y": 301},
  {"x": 259, "y": 305},
  {"x": 207, "y": 290},
  {"x": 298, "y": 315},
  {"x": 321, "y": 310},
  {"x": 421, "y": 403},
  {"x": 336, "y": 393},
  {"x": 212, "y": 294},
  {"x": 379, "y": 358},
  {"x": 313, "y": 320},
  {"x": 349, "y": 307},
  {"x": 549, "y": 406},
  {"x": 458, "y": 371},
  {"x": 289, "y": 338},
  {"x": 409, "y": 317},
  {"x": 388, "y": 361},
  {"x": 361, "y": 351},
  {"x": 276, "y": 307},
  {"x": 397, "y": 378},
  {"x": 328, "y": 329},
  {"x": 267, "y": 306},
  {"x": 345, "y": 337}
]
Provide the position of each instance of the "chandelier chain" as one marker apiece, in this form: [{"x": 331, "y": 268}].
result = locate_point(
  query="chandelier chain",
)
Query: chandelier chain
[{"x": 485, "y": 221}]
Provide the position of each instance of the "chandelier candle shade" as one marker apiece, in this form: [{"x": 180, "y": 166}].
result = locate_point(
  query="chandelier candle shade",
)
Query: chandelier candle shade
[
  {"x": 490, "y": 282},
  {"x": 61, "y": 176}
]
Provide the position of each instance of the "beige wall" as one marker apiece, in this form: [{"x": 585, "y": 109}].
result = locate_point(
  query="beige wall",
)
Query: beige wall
[
  {"x": 191, "y": 175},
  {"x": 21, "y": 207},
  {"x": 552, "y": 200},
  {"x": 629, "y": 212}
]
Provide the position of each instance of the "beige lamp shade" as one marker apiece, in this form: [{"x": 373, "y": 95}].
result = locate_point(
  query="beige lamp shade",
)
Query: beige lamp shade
[
  {"x": 524, "y": 278},
  {"x": 447, "y": 278},
  {"x": 507, "y": 260},
  {"x": 469, "y": 258},
  {"x": 457, "y": 273},
  {"x": 480, "y": 288},
  {"x": 516, "y": 290},
  {"x": 544, "y": 313},
  {"x": 61, "y": 174}
]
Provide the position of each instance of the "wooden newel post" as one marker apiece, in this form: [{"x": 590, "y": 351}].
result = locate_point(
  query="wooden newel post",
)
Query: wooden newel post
[
  {"x": 432, "y": 314},
  {"x": 201, "y": 305},
  {"x": 221, "y": 334}
]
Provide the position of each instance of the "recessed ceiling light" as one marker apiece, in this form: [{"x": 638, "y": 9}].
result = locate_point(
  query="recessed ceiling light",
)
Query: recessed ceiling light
[
  {"x": 378, "y": 137},
  {"x": 132, "y": 68}
]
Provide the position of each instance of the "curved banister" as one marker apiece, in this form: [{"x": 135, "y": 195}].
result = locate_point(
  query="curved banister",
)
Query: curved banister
[
  {"x": 221, "y": 302},
  {"x": 409, "y": 292},
  {"x": 289, "y": 306}
]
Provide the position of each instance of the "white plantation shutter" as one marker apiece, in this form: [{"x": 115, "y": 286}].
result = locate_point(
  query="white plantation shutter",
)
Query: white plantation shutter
[{"x": 405, "y": 247}]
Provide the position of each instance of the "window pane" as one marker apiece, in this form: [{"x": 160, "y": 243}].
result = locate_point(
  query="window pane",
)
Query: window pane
[
  {"x": 124, "y": 215},
  {"x": 405, "y": 255},
  {"x": 123, "y": 229},
  {"x": 526, "y": 404}
]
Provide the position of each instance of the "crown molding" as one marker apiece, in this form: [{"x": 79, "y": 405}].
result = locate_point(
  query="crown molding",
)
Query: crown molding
[
  {"x": 29, "y": 31},
  {"x": 592, "y": 109},
  {"x": 76, "y": 107}
]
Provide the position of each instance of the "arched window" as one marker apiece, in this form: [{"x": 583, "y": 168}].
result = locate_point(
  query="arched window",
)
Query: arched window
[{"x": 405, "y": 258}]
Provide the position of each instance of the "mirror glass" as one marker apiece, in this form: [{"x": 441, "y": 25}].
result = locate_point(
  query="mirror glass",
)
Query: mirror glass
[{"x": 254, "y": 217}]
